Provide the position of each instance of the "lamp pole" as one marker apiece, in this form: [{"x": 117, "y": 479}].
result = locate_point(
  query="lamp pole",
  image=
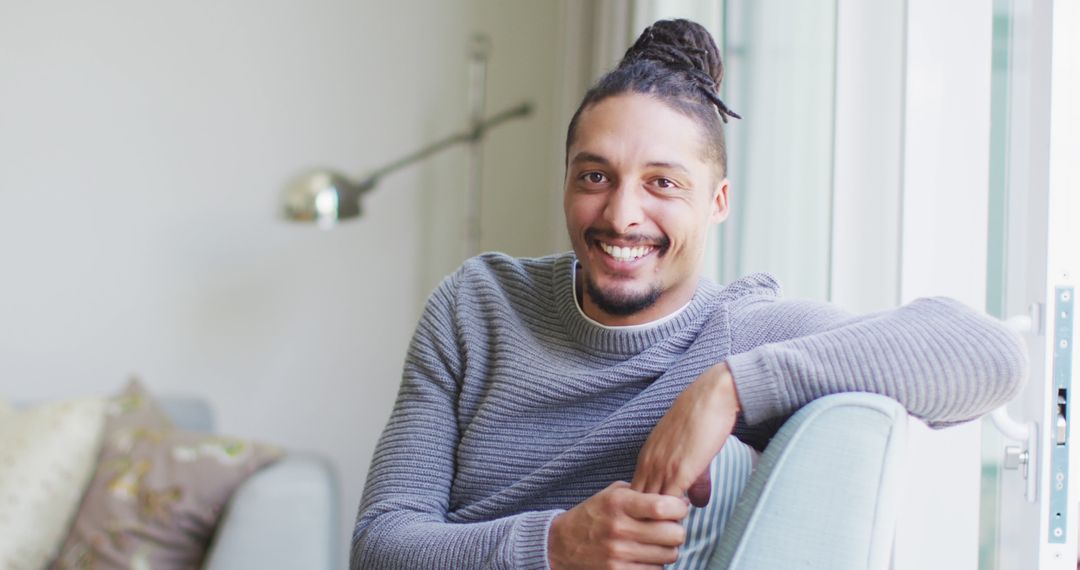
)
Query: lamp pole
[
  {"x": 327, "y": 196},
  {"x": 479, "y": 52}
]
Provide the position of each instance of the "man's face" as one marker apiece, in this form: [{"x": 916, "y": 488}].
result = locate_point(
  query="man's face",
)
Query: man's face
[{"x": 640, "y": 195}]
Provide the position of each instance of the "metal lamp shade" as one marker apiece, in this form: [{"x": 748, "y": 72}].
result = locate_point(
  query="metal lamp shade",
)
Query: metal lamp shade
[{"x": 323, "y": 197}]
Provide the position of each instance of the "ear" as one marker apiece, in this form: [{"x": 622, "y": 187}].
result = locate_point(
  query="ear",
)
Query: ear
[{"x": 719, "y": 203}]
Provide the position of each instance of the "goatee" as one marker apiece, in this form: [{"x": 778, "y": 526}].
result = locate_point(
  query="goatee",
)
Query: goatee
[{"x": 621, "y": 304}]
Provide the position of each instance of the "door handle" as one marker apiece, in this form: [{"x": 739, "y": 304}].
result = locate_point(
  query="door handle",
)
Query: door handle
[{"x": 1016, "y": 457}]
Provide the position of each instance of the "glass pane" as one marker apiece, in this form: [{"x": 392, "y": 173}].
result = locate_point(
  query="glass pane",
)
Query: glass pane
[
  {"x": 780, "y": 76},
  {"x": 1007, "y": 263}
]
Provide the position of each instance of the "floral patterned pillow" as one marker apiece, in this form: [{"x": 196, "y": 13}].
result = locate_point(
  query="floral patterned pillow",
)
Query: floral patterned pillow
[{"x": 158, "y": 492}]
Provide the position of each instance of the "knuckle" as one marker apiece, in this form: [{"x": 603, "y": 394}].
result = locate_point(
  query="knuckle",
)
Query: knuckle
[
  {"x": 674, "y": 471},
  {"x": 610, "y": 550},
  {"x": 614, "y": 499},
  {"x": 617, "y": 528},
  {"x": 678, "y": 537},
  {"x": 616, "y": 551}
]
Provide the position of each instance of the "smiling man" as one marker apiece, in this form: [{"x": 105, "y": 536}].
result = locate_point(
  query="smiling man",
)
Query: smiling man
[
  {"x": 564, "y": 412},
  {"x": 638, "y": 206}
]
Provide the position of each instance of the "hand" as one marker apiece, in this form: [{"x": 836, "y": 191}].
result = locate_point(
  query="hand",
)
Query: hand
[
  {"x": 675, "y": 458},
  {"x": 618, "y": 528}
]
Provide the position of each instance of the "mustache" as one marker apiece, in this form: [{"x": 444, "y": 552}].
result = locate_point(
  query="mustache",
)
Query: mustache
[{"x": 594, "y": 234}]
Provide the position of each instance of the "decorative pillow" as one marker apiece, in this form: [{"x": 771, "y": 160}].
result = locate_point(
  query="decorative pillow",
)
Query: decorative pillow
[
  {"x": 47, "y": 456},
  {"x": 158, "y": 493},
  {"x": 134, "y": 407}
]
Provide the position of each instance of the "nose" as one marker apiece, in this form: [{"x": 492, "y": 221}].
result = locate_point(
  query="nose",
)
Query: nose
[{"x": 623, "y": 210}]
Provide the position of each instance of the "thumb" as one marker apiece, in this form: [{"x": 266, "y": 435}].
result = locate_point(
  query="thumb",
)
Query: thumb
[{"x": 700, "y": 490}]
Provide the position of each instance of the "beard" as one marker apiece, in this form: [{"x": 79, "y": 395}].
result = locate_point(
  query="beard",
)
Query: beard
[
  {"x": 621, "y": 303},
  {"x": 624, "y": 303}
]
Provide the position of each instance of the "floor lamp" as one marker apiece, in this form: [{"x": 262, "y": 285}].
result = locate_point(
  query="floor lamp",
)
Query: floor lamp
[{"x": 325, "y": 196}]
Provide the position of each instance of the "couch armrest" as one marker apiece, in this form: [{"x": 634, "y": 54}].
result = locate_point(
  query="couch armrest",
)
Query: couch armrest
[
  {"x": 825, "y": 492},
  {"x": 284, "y": 516}
]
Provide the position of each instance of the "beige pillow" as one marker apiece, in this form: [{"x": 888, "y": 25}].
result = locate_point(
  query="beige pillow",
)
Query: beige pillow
[
  {"x": 47, "y": 456},
  {"x": 158, "y": 493}
]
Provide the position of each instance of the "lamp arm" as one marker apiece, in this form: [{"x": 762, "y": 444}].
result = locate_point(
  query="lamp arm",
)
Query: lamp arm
[{"x": 471, "y": 135}]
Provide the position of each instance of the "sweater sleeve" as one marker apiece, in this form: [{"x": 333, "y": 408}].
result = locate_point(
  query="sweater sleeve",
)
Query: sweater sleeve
[
  {"x": 402, "y": 523},
  {"x": 943, "y": 361}
]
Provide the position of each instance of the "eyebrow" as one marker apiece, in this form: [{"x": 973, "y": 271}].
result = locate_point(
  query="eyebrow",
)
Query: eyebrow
[
  {"x": 669, "y": 166},
  {"x": 585, "y": 156}
]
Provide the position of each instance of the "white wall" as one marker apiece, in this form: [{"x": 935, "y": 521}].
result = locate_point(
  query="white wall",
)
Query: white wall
[
  {"x": 142, "y": 148},
  {"x": 523, "y": 175}
]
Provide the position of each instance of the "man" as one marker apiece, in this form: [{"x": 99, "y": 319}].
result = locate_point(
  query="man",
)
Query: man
[{"x": 561, "y": 412}]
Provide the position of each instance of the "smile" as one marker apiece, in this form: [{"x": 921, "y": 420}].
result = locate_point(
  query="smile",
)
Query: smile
[{"x": 626, "y": 253}]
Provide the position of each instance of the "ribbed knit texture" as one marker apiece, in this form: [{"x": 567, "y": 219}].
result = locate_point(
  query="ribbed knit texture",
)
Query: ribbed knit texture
[{"x": 513, "y": 407}]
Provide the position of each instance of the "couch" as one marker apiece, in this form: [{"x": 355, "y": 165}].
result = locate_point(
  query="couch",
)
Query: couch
[
  {"x": 825, "y": 492},
  {"x": 153, "y": 485},
  {"x": 285, "y": 516}
]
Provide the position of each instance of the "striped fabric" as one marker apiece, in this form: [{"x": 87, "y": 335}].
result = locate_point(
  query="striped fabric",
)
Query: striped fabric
[
  {"x": 730, "y": 471},
  {"x": 514, "y": 408}
]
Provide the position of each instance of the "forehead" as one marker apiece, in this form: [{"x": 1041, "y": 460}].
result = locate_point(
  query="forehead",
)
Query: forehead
[{"x": 634, "y": 129}]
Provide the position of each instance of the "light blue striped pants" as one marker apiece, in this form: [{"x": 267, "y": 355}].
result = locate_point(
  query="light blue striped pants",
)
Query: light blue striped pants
[{"x": 730, "y": 470}]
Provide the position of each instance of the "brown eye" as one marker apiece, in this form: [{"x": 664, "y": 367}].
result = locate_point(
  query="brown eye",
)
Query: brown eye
[
  {"x": 594, "y": 177},
  {"x": 664, "y": 183}
]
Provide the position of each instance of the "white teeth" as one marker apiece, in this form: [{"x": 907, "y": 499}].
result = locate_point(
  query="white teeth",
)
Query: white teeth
[{"x": 625, "y": 253}]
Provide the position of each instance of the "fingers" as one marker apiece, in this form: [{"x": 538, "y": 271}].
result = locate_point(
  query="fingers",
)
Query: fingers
[
  {"x": 654, "y": 507},
  {"x": 665, "y": 535},
  {"x": 697, "y": 492},
  {"x": 645, "y": 555},
  {"x": 642, "y": 483},
  {"x": 649, "y": 482},
  {"x": 650, "y": 477},
  {"x": 654, "y": 486},
  {"x": 619, "y": 528},
  {"x": 664, "y": 467},
  {"x": 688, "y": 437},
  {"x": 649, "y": 542},
  {"x": 645, "y": 481}
]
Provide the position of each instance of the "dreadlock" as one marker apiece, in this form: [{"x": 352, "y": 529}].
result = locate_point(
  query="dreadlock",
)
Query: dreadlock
[{"x": 678, "y": 62}]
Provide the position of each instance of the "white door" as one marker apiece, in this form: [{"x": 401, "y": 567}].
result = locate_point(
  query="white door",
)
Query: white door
[{"x": 1029, "y": 505}]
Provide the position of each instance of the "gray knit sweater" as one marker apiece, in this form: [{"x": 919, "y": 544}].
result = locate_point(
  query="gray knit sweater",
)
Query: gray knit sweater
[{"x": 513, "y": 407}]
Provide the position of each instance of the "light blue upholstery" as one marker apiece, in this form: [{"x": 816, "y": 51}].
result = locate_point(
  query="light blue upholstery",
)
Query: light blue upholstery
[
  {"x": 189, "y": 413},
  {"x": 284, "y": 516},
  {"x": 824, "y": 494}
]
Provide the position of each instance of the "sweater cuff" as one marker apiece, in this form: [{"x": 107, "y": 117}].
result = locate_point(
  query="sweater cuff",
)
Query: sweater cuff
[
  {"x": 757, "y": 386},
  {"x": 530, "y": 540}
]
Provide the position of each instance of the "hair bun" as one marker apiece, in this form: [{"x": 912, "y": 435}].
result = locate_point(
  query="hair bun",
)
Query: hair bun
[{"x": 682, "y": 45}]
